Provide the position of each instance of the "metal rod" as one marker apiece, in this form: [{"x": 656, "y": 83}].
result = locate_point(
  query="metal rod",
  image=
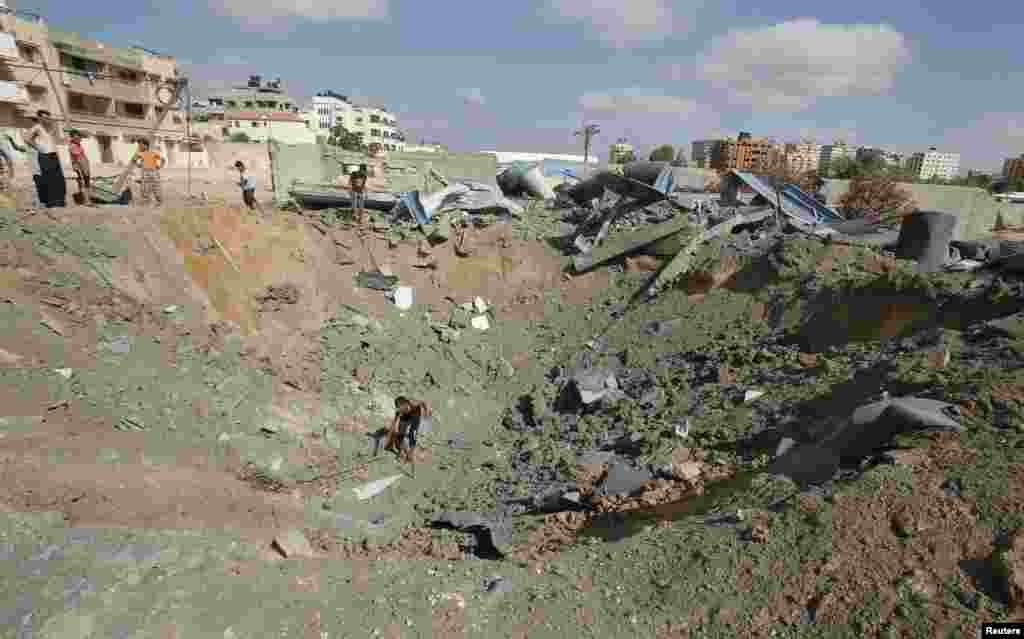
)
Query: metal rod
[{"x": 188, "y": 140}]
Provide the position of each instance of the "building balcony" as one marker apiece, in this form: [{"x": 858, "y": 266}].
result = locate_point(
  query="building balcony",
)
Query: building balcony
[
  {"x": 13, "y": 93},
  {"x": 142, "y": 93}
]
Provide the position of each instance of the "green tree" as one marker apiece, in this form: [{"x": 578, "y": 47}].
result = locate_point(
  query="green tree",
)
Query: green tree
[
  {"x": 664, "y": 153},
  {"x": 348, "y": 140},
  {"x": 239, "y": 136}
]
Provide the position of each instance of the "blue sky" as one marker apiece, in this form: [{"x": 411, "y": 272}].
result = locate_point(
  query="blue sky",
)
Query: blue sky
[{"x": 521, "y": 76}]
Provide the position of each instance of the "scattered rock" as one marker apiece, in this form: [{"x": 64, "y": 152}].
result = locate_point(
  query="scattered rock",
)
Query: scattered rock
[
  {"x": 1009, "y": 566},
  {"x": 785, "y": 444},
  {"x": 751, "y": 395},
  {"x": 921, "y": 584},
  {"x": 293, "y": 543},
  {"x": 905, "y": 523},
  {"x": 807, "y": 360},
  {"x": 758, "y": 534}
]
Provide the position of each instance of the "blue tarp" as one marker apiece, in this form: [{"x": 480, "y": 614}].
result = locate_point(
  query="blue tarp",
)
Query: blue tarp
[{"x": 795, "y": 203}]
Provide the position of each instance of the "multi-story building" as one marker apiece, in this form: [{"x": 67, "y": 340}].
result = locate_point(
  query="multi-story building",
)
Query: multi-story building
[
  {"x": 802, "y": 157},
  {"x": 620, "y": 152},
  {"x": 255, "y": 113},
  {"x": 835, "y": 151},
  {"x": 934, "y": 164},
  {"x": 754, "y": 154},
  {"x": 112, "y": 96},
  {"x": 702, "y": 150},
  {"x": 1014, "y": 167},
  {"x": 376, "y": 124}
]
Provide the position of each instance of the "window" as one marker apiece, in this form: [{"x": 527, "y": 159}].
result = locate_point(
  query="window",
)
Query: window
[
  {"x": 176, "y": 119},
  {"x": 128, "y": 76},
  {"x": 27, "y": 53},
  {"x": 76, "y": 102},
  {"x": 248, "y": 105},
  {"x": 133, "y": 110},
  {"x": 255, "y": 125}
]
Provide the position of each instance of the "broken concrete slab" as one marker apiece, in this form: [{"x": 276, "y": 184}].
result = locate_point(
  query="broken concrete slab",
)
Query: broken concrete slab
[
  {"x": 373, "y": 488},
  {"x": 636, "y": 242},
  {"x": 623, "y": 479},
  {"x": 490, "y": 530}
]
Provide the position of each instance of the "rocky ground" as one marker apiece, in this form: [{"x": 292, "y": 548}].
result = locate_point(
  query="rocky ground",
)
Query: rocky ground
[{"x": 192, "y": 402}]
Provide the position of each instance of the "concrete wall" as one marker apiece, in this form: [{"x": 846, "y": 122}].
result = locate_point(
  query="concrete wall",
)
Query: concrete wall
[
  {"x": 108, "y": 161},
  {"x": 975, "y": 208},
  {"x": 322, "y": 164}
]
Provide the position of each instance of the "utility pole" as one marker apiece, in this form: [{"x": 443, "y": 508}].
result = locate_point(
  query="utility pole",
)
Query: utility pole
[{"x": 588, "y": 132}]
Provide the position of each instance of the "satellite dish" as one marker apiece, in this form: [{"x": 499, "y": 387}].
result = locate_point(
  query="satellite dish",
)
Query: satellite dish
[{"x": 166, "y": 95}]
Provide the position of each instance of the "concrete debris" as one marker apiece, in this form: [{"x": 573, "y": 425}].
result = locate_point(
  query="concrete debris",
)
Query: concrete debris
[
  {"x": 66, "y": 373},
  {"x": 595, "y": 385},
  {"x": 868, "y": 429},
  {"x": 752, "y": 395},
  {"x": 480, "y": 323},
  {"x": 402, "y": 297},
  {"x": 491, "y": 531},
  {"x": 374, "y": 488},
  {"x": 623, "y": 479},
  {"x": 682, "y": 429}
]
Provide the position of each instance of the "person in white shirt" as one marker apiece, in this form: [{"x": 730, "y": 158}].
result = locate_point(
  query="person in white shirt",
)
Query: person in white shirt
[
  {"x": 248, "y": 186},
  {"x": 51, "y": 184}
]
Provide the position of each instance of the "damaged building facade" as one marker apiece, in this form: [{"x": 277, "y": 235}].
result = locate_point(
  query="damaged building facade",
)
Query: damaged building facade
[{"x": 113, "y": 96}]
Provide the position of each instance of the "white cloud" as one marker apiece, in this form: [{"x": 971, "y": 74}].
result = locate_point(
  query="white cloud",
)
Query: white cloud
[
  {"x": 637, "y": 101},
  {"x": 471, "y": 96},
  {"x": 622, "y": 24},
  {"x": 789, "y": 65},
  {"x": 265, "y": 12}
]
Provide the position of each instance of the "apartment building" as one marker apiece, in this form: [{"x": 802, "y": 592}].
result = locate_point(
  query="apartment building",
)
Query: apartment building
[
  {"x": 701, "y": 152},
  {"x": 934, "y": 163},
  {"x": 256, "y": 112},
  {"x": 802, "y": 157},
  {"x": 745, "y": 153},
  {"x": 113, "y": 96},
  {"x": 1014, "y": 167},
  {"x": 376, "y": 124}
]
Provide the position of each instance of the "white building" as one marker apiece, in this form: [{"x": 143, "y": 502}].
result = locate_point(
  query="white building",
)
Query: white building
[
  {"x": 802, "y": 157},
  {"x": 835, "y": 151},
  {"x": 375, "y": 124},
  {"x": 506, "y": 157},
  {"x": 933, "y": 163},
  {"x": 426, "y": 147}
]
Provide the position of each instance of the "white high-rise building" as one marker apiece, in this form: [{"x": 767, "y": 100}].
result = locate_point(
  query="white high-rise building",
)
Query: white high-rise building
[
  {"x": 835, "y": 151},
  {"x": 934, "y": 163},
  {"x": 376, "y": 124}
]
